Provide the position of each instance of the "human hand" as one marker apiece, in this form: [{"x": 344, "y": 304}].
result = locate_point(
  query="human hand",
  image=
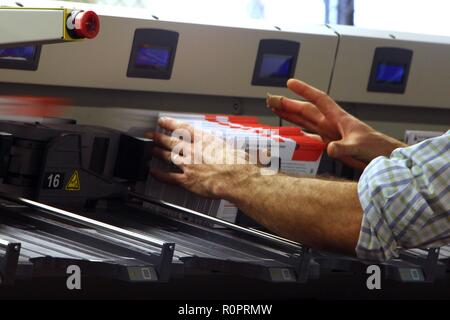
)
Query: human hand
[
  {"x": 348, "y": 139},
  {"x": 209, "y": 165}
]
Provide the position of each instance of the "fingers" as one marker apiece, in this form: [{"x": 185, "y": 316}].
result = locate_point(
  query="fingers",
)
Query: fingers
[
  {"x": 291, "y": 117},
  {"x": 306, "y": 91},
  {"x": 305, "y": 110},
  {"x": 347, "y": 153},
  {"x": 171, "y": 157},
  {"x": 273, "y": 101},
  {"x": 162, "y": 154},
  {"x": 338, "y": 149},
  {"x": 317, "y": 97},
  {"x": 181, "y": 133},
  {"x": 172, "y": 125},
  {"x": 315, "y": 137},
  {"x": 169, "y": 177},
  {"x": 168, "y": 142}
]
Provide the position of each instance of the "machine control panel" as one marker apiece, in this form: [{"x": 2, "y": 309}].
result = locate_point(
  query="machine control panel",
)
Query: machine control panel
[
  {"x": 275, "y": 62},
  {"x": 152, "y": 54},
  {"x": 21, "y": 58},
  {"x": 390, "y": 70}
]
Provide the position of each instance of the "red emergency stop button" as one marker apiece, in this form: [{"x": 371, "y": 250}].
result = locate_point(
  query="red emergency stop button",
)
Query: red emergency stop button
[{"x": 86, "y": 24}]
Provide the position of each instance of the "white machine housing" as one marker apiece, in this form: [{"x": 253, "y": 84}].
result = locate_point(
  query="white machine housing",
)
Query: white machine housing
[
  {"x": 429, "y": 76},
  {"x": 31, "y": 26},
  {"x": 214, "y": 65},
  {"x": 210, "y": 60}
]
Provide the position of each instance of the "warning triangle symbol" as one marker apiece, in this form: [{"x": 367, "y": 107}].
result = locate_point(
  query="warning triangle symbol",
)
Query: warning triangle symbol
[{"x": 74, "y": 182}]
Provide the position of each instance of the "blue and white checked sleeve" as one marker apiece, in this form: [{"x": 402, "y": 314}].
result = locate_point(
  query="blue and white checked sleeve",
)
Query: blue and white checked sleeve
[{"x": 406, "y": 200}]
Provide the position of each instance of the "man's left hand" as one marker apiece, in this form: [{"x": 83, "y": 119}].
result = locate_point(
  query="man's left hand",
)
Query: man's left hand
[{"x": 209, "y": 165}]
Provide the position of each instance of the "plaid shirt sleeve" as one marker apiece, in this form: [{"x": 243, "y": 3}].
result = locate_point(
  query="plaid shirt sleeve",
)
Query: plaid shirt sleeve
[{"x": 406, "y": 200}]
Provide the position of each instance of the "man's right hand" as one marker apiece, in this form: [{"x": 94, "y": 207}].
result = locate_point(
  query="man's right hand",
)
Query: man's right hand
[{"x": 349, "y": 139}]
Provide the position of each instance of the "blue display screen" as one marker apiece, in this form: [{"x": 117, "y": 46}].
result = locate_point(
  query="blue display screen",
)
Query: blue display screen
[
  {"x": 151, "y": 57},
  {"x": 18, "y": 53},
  {"x": 390, "y": 73},
  {"x": 275, "y": 66}
]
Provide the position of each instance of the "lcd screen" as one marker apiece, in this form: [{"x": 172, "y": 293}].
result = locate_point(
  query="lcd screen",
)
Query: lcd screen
[
  {"x": 390, "y": 73},
  {"x": 151, "y": 57},
  {"x": 26, "y": 53},
  {"x": 275, "y": 66}
]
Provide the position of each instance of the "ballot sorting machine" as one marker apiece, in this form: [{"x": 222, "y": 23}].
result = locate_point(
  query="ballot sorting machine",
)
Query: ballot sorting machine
[
  {"x": 71, "y": 194},
  {"x": 71, "y": 170},
  {"x": 113, "y": 235}
]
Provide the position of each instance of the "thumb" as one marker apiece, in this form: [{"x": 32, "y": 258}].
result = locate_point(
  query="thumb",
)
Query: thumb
[{"x": 341, "y": 148}]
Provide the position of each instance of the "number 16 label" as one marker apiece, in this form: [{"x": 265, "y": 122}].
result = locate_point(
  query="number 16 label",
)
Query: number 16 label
[{"x": 53, "y": 180}]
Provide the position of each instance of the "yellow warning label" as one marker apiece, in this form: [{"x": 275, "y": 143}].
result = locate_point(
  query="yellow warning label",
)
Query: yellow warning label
[{"x": 74, "y": 182}]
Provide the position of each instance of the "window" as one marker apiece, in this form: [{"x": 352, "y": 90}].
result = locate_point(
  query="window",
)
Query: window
[
  {"x": 286, "y": 14},
  {"x": 416, "y": 16}
]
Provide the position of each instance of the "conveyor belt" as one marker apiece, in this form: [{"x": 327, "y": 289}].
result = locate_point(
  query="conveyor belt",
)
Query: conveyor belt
[
  {"x": 110, "y": 241},
  {"x": 444, "y": 253},
  {"x": 436, "y": 260},
  {"x": 413, "y": 265},
  {"x": 50, "y": 244},
  {"x": 203, "y": 249},
  {"x": 198, "y": 247}
]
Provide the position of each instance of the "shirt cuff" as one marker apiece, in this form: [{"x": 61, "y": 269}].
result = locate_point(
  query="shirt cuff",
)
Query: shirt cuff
[{"x": 376, "y": 239}]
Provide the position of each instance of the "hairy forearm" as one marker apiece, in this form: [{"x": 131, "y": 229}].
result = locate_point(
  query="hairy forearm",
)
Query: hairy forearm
[{"x": 320, "y": 213}]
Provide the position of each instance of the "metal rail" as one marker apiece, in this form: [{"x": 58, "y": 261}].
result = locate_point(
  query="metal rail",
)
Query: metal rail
[
  {"x": 252, "y": 232},
  {"x": 91, "y": 223}
]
